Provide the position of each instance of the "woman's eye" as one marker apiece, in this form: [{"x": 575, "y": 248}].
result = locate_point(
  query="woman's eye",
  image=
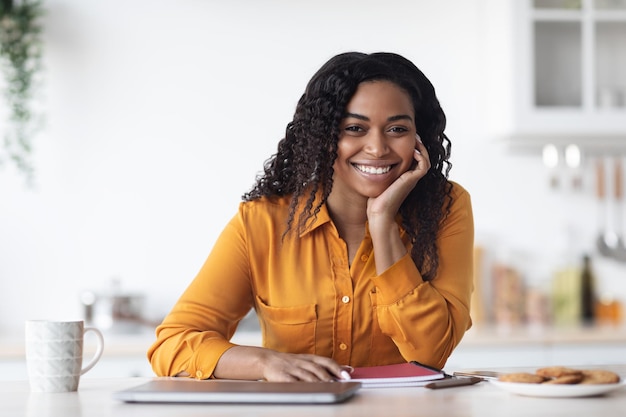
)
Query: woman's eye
[
  {"x": 398, "y": 129},
  {"x": 353, "y": 129}
]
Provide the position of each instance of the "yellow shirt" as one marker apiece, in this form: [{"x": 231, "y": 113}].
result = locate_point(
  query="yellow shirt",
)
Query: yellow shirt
[{"x": 310, "y": 300}]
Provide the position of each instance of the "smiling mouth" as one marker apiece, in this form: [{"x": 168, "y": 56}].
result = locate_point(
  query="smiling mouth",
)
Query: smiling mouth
[{"x": 367, "y": 169}]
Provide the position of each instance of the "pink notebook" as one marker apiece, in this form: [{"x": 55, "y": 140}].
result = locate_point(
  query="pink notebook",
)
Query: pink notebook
[{"x": 398, "y": 375}]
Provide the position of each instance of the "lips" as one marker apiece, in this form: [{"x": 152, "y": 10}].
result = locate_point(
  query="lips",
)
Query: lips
[{"x": 373, "y": 170}]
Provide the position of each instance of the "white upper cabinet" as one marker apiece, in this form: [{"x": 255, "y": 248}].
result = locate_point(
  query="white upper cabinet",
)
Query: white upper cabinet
[{"x": 571, "y": 67}]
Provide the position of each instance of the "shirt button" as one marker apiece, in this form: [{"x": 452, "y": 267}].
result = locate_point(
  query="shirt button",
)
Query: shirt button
[
  {"x": 343, "y": 346},
  {"x": 198, "y": 374},
  {"x": 364, "y": 258},
  {"x": 345, "y": 299}
]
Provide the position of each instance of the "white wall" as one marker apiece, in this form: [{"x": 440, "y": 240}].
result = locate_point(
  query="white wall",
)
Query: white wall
[{"x": 160, "y": 114}]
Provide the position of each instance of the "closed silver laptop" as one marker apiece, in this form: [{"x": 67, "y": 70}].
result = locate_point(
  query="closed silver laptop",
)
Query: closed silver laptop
[{"x": 179, "y": 390}]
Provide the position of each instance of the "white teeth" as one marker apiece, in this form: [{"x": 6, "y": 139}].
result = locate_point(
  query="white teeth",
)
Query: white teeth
[{"x": 373, "y": 170}]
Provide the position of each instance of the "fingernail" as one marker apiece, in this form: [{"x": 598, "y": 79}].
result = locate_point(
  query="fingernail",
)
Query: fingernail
[
  {"x": 345, "y": 375},
  {"x": 417, "y": 151}
]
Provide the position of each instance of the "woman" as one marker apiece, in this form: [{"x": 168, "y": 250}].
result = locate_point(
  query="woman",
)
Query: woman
[{"x": 352, "y": 247}]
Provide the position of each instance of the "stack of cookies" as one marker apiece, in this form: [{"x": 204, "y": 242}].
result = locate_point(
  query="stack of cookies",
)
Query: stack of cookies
[{"x": 563, "y": 375}]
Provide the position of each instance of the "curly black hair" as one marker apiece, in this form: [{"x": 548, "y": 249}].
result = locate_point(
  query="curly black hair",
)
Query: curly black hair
[{"x": 303, "y": 164}]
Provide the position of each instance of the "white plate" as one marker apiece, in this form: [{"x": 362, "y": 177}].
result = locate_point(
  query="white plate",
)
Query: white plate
[{"x": 557, "y": 390}]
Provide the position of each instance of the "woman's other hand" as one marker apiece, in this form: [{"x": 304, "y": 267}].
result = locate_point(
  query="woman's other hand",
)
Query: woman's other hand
[
  {"x": 253, "y": 363},
  {"x": 386, "y": 205}
]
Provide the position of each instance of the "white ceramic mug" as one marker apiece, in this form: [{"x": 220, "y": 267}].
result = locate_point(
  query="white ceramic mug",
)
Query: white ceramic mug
[{"x": 54, "y": 354}]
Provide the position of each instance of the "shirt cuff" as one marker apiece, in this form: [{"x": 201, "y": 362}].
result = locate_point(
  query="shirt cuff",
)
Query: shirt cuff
[
  {"x": 204, "y": 360},
  {"x": 397, "y": 281}
]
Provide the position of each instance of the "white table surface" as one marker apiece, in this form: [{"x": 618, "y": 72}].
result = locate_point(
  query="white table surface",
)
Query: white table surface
[{"x": 94, "y": 399}]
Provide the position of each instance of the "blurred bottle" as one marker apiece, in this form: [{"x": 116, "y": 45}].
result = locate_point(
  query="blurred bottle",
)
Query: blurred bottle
[
  {"x": 608, "y": 311},
  {"x": 587, "y": 292},
  {"x": 508, "y": 296},
  {"x": 566, "y": 297}
]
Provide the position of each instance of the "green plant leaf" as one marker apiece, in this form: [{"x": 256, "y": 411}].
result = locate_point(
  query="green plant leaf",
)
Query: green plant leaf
[{"x": 20, "y": 61}]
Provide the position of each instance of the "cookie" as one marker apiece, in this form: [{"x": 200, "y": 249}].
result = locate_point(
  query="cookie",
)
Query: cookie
[
  {"x": 597, "y": 376},
  {"x": 523, "y": 377},
  {"x": 557, "y": 371},
  {"x": 566, "y": 379}
]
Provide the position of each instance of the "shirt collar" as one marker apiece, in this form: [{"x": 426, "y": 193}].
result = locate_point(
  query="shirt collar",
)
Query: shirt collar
[
  {"x": 323, "y": 217},
  {"x": 313, "y": 223}
]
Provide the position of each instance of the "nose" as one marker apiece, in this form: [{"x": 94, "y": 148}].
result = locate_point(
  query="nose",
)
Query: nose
[{"x": 376, "y": 144}]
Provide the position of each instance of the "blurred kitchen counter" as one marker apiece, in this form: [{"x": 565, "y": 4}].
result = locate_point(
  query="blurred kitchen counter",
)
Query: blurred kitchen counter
[
  {"x": 481, "y": 336},
  {"x": 114, "y": 344},
  {"x": 124, "y": 354},
  {"x": 490, "y": 335},
  {"x": 500, "y": 346},
  {"x": 482, "y": 346}
]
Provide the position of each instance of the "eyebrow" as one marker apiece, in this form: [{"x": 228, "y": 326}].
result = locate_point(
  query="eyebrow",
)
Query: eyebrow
[{"x": 390, "y": 119}]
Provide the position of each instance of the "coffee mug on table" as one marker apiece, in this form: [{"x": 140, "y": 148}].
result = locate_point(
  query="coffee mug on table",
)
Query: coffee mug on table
[{"x": 54, "y": 354}]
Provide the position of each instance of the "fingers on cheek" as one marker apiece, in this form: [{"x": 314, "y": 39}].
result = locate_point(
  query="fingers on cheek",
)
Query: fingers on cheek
[{"x": 421, "y": 160}]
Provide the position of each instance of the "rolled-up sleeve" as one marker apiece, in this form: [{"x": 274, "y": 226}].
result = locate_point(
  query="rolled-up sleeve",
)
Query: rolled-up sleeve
[
  {"x": 196, "y": 333},
  {"x": 427, "y": 319}
]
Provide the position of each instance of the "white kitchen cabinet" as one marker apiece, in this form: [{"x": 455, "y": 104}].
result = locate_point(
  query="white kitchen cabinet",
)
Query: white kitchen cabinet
[{"x": 571, "y": 72}]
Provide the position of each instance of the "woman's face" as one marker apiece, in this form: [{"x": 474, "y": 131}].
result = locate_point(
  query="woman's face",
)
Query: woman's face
[{"x": 377, "y": 139}]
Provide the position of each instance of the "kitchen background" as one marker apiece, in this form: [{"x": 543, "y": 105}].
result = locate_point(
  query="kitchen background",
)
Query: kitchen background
[{"x": 159, "y": 115}]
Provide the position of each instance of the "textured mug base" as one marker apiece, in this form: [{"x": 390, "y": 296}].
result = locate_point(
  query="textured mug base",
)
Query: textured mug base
[{"x": 54, "y": 384}]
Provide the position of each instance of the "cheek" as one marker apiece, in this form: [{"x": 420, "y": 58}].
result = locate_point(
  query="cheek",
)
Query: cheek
[
  {"x": 407, "y": 153},
  {"x": 345, "y": 149}
]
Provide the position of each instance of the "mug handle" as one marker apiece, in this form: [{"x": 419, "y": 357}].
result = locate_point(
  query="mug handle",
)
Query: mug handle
[{"x": 99, "y": 349}]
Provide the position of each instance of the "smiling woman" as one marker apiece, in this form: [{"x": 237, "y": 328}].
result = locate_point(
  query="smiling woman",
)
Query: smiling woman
[
  {"x": 353, "y": 247},
  {"x": 377, "y": 140}
]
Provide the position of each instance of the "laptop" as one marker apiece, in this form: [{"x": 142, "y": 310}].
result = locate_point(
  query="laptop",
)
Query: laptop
[{"x": 182, "y": 390}]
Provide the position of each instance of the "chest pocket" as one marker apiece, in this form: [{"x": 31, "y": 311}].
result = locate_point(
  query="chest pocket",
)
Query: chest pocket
[{"x": 288, "y": 329}]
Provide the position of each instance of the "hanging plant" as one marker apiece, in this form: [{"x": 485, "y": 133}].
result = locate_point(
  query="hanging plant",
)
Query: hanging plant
[{"x": 20, "y": 62}]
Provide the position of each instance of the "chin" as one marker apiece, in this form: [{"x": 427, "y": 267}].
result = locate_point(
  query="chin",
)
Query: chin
[{"x": 372, "y": 193}]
